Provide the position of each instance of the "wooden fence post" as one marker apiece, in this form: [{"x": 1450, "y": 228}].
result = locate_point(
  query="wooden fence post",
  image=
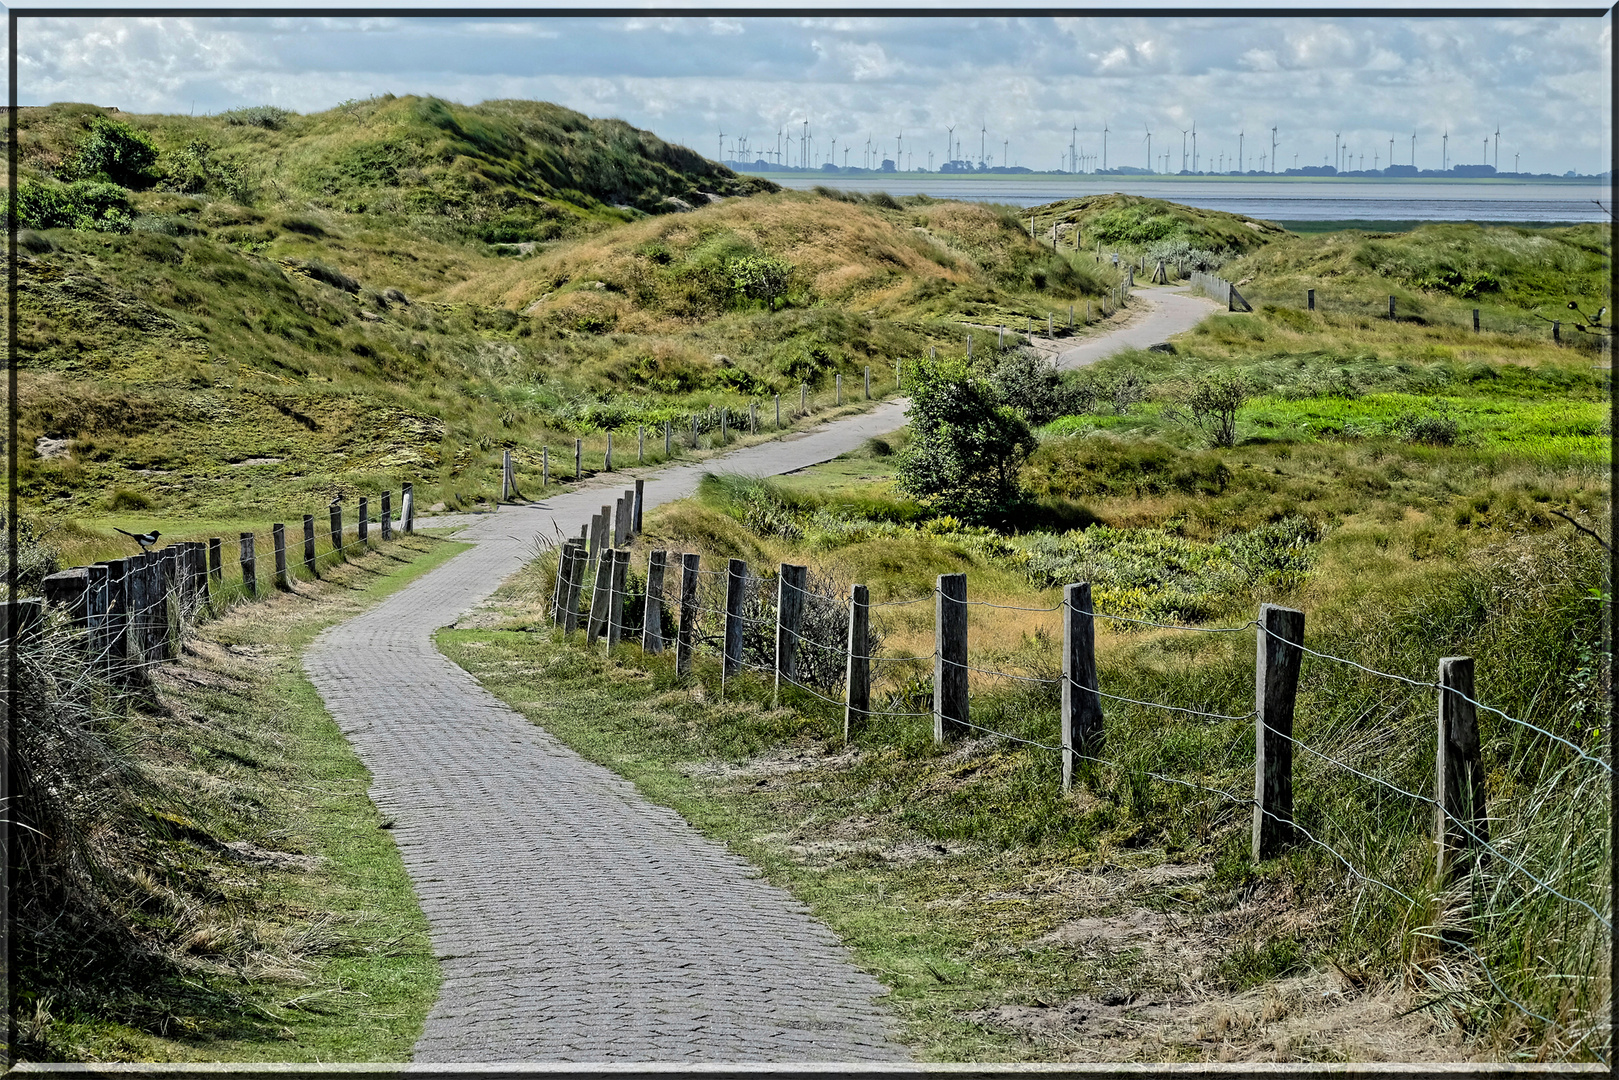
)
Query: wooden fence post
[
  {"x": 559, "y": 589},
  {"x": 778, "y": 412},
  {"x": 278, "y": 536},
  {"x": 858, "y": 672},
  {"x": 505, "y": 475},
  {"x": 694, "y": 431},
  {"x": 1459, "y": 775},
  {"x": 803, "y": 398},
  {"x": 667, "y": 439},
  {"x": 868, "y": 382},
  {"x": 1276, "y": 683},
  {"x": 576, "y": 585},
  {"x": 615, "y": 597},
  {"x": 621, "y": 521},
  {"x": 753, "y": 418},
  {"x": 407, "y": 506},
  {"x": 640, "y": 444},
  {"x": 97, "y": 602},
  {"x": 309, "y": 542},
  {"x": 545, "y": 467},
  {"x": 640, "y": 507},
  {"x": 168, "y": 605},
  {"x": 736, "y": 588},
  {"x": 250, "y": 583},
  {"x": 1557, "y": 331},
  {"x": 652, "y": 610},
  {"x": 216, "y": 559},
  {"x": 363, "y": 525},
  {"x": 838, "y": 377},
  {"x": 335, "y": 513},
  {"x": 1081, "y": 704},
  {"x": 1475, "y": 320},
  {"x": 685, "y": 636},
  {"x": 598, "y": 535},
  {"x": 578, "y": 458},
  {"x": 790, "y": 584},
  {"x": 1309, "y": 298},
  {"x": 597, "y": 620},
  {"x": 950, "y": 657},
  {"x": 607, "y": 459},
  {"x": 725, "y": 427},
  {"x": 115, "y": 628},
  {"x": 1391, "y": 309}
]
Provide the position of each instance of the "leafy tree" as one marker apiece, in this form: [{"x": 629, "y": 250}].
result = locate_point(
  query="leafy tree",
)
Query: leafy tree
[
  {"x": 1032, "y": 385},
  {"x": 1210, "y": 405},
  {"x": 760, "y": 277},
  {"x": 117, "y": 152},
  {"x": 966, "y": 444}
]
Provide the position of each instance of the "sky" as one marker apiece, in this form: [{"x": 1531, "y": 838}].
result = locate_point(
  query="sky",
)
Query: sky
[{"x": 1017, "y": 87}]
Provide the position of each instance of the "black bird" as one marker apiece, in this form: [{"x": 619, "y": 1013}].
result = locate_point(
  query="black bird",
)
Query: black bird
[{"x": 145, "y": 540}]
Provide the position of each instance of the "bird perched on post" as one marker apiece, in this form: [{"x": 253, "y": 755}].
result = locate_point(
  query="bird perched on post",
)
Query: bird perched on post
[{"x": 145, "y": 540}]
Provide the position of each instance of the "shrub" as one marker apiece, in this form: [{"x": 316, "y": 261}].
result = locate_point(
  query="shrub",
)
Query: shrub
[
  {"x": 84, "y": 204},
  {"x": 264, "y": 116},
  {"x": 117, "y": 152},
  {"x": 966, "y": 444},
  {"x": 1436, "y": 428},
  {"x": 760, "y": 277},
  {"x": 1210, "y": 405},
  {"x": 128, "y": 499}
]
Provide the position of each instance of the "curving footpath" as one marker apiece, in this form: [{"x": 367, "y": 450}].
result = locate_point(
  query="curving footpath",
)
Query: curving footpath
[{"x": 573, "y": 919}]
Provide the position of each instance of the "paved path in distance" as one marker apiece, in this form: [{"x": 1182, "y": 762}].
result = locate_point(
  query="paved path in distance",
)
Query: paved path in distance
[{"x": 574, "y": 920}]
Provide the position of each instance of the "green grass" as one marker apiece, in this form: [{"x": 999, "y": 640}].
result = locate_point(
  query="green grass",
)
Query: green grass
[{"x": 323, "y": 956}]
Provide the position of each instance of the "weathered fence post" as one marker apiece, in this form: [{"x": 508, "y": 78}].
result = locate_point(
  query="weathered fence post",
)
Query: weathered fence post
[
  {"x": 694, "y": 431},
  {"x": 386, "y": 515},
  {"x": 652, "y": 610},
  {"x": 950, "y": 657},
  {"x": 250, "y": 583},
  {"x": 597, "y": 621},
  {"x": 335, "y": 512},
  {"x": 1459, "y": 775},
  {"x": 640, "y": 499},
  {"x": 576, "y": 585},
  {"x": 790, "y": 585},
  {"x": 505, "y": 475},
  {"x": 615, "y": 597},
  {"x": 607, "y": 459},
  {"x": 725, "y": 428},
  {"x": 736, "y": 588},
  {"x": 858, "y": 672},
  {"x": 753, "y": 418},
  {"x": 1391, "y": 309},
  {"x": 1070, "y": 316},
  {"x": 686, "y": 634},
  {"x": 838, "y": 377},
  {"x": 868, "y": 382},
  {"x": 578, "y": 458},
  {"x": 1557, "y": 331},
  {"x": 1081, "y": 704},
  {"x": 278, "y": 536},
  {"x": 1475, "y": 320},
  {"x": 640, "y": 444},
  {"x": 598, "y": 534},
  {"x": 115, "y": 629},
  {"x": 363, "y": 525},
  {"x": 559, "y": 590},
  {"x": 21, "y": 619},
  {"x": 309, "y": 542},
  {"x": 803, "y": 398},
  {"x": 1309, "y": 298},
  {"x": 97, "y": 602},
  {"x": 545, "y": 467},
  {"x": 621, "y": 521},
  {"x": 668, "y": 429},
  {"x": 407, "y": 507},
  {"x": 778, "y": 412},
  {"x": 1276, "y": 683},
  {"x": 216, "y": 559}
]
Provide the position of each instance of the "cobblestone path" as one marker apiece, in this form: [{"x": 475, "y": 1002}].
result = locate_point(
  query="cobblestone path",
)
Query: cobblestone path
[{"x": 575, "y": 920}]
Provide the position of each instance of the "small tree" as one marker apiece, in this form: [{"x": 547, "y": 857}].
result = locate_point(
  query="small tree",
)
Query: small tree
[
  {"x": 966, "y": 444},
  {"x": 1210, "y": 405},
  {"x": 760, "y": 277}
]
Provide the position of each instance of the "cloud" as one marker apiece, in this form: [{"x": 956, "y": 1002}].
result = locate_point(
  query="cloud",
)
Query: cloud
[{"x": 1545, "y": 80}]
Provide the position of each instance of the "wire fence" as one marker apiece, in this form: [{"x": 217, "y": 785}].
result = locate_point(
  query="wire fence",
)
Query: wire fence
[{"x": 743, "y": 619}]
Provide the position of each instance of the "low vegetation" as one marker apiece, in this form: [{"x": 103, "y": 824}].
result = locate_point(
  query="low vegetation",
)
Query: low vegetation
[{"x": 201, "y": 875}]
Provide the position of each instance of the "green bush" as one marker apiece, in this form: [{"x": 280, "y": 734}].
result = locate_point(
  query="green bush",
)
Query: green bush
[
  {"x": 760, "y": 277},
  {"x": 966, "y": 444},
  {"x": 83, "y": 204},
  {"x": 116, "y": 152},
  {"x": 264, "y": 116}
]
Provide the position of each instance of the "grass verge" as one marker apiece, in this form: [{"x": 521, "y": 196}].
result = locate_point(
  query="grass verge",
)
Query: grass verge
[{"x": 265, "y": 913}]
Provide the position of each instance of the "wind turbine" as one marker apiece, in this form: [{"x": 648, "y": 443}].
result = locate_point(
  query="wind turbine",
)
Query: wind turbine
[
  {"x": 1149, "y": 149},
  {"x": 983, "y": 132},
  {"x": 1006, "y": 154},
  {"x": 1486, "y": 160},
  {"x": 1413, "y": 149},
  {"x": 1273, "y": 148},
  {"x": 832, "y": 154},
  {"x": 949, "y": 135},
  {"x": 1073, "y": 153},
  {"x": 1104, "y": 146},
  {"x": 1194, "y": 146},
  {"x": 1498, "y": 146},
  {"x": 722, "y": 146},
  {"x": 1239, "y": 151},
  {"x": 1444, "y": 151},
  {"x": 1391, "y": 151},
  {"x": 899, "y": 150},
  {"x": 1335, "y": 135},
  {"x": 1184, "y": 133}
]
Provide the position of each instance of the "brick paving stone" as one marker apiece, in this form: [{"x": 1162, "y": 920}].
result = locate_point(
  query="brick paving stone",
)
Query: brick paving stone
[{"x": 574, "y": 920}]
